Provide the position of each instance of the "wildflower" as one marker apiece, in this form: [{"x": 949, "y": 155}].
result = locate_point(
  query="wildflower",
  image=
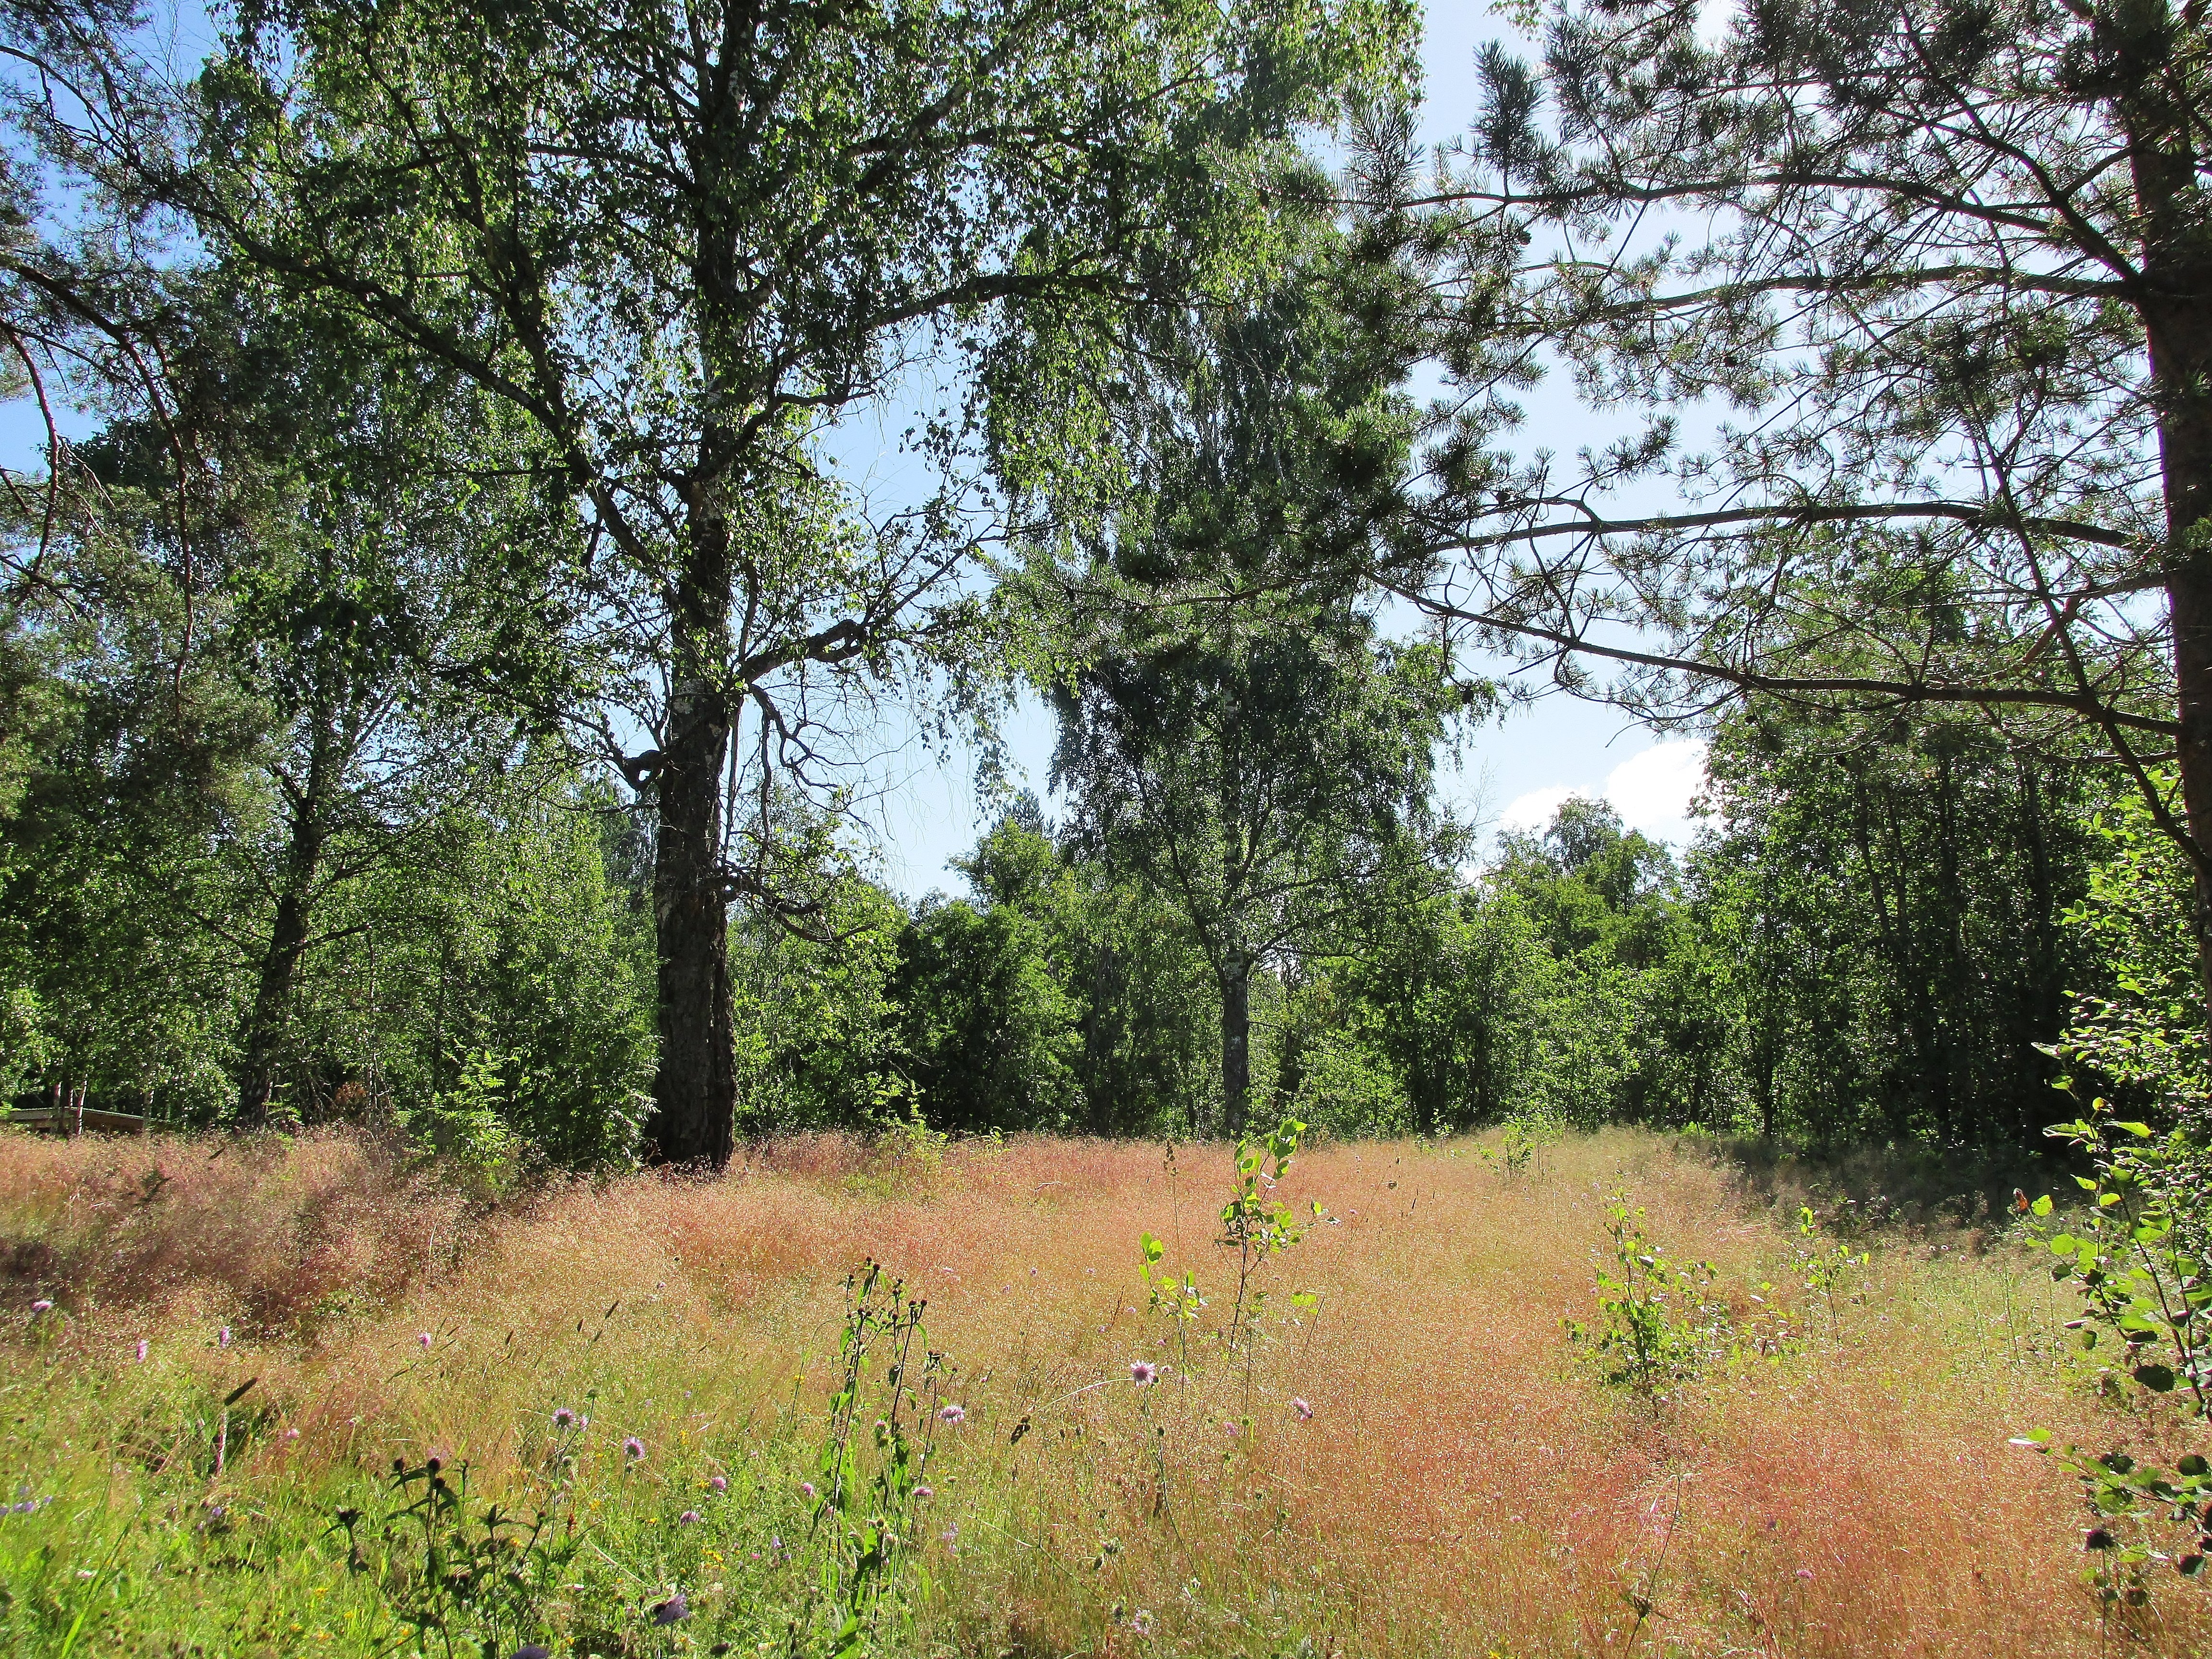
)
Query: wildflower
[
  {"x": 1804, "y": 1572},
  {"x": 1232, "y": 1429},
  {"x": 718, "y": 1483},
  {"x": 807, "y": 1486},
  {"x": 950, "y": 1535},
  {"x": 142, "y": 1350},
  {"x": 42, "y": 1306},
  {"x": 1143, "y": 1372},
  {"x": 925, "y": 1491},
  {"x": 223, "y": 1337},
  {"x": 668, "y": 1612},
  {"x": 633, "y": 1449},
  {"x": 423, "y": 1337},
  {"x": 688, "y": 1518},
  {"x": 2097, "y": 1537},
  {"x": 563, "y": 1417},
  {"x": 1304, "y": 1411},
  {"x": 1141, "y": 1622},
  {"x": 291, "y": 1434},
  {"x": 954, "y": 1413}
]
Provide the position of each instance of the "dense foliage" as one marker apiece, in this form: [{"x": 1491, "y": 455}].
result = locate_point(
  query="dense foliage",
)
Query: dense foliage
[{"x": 435, "y": 685}]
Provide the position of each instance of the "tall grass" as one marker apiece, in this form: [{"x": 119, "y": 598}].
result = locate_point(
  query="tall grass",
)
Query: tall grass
[{"x": 1410, "y": 1463}]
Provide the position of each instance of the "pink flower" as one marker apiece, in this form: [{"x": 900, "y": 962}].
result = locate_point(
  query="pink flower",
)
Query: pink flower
[
  {"x": 423, "y": 1337},
  {"x": 633, "y": 1449},
  {"x": 223, "y": 1337},
  {"x": 1804, "y": 1572},
  {"x": 563, "y": 1417},
  {"x": 1141, "y": 1622},
  {"x": 954, "y": 1413},
  {"x": 718, "y": 1483},
  {"x": 42, "y": 1306},
  {"x": 1142, "y": 1371},
  {"x": 925, "y": 1491},
  {"x": 688, "y": 1518},
  {"x": 291, "y": 1434},
  {"x": 807, "y": 1486},
  {"x": 1304, "y": 1411},
  {"x": 142, "y": 1350}
]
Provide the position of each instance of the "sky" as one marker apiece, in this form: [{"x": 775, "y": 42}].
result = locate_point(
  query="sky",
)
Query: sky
[
  {"x": 926, "y": 807},
  {"x": 1510, "y": 774}
]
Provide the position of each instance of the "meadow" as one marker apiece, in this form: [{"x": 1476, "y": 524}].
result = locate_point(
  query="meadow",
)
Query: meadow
[{"x": 1403, "y": 1451}]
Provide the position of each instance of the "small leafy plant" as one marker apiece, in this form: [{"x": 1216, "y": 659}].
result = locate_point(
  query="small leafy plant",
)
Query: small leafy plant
[
  {"x": 1255, "y": 1222},
  {"x": 2137, "y": 1257},
  {"x": 1826, "y": 1273},
  {"x": 1659, "y": 1322},
  {"x": 1523, "y": 1137},
  {"x": 476, "y": 1579},
  {"x": 865, "y": 1510}
]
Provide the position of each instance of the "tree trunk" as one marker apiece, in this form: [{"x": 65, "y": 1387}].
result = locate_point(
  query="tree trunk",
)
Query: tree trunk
[
  {"x": 695, "y": 1089},
  {"x": 308, "y": 835},
  {"x": 1235, "y": 1042},
  {"x": 2177, "y": 261},
  {"x": 280, "y": 963}
]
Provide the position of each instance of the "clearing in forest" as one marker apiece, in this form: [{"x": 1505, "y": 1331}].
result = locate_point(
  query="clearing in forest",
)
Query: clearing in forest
[{"x": 1394, "y": 1444}]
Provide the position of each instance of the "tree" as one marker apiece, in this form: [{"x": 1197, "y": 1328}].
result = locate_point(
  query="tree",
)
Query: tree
[
  {"x": 1058, "y": 996},
  {"x": 1944, "y": 260},
  {"x": 1259, "y": 769},
  {"x": 677, "y": 238},
  {"x": 1234, "y": 729}
]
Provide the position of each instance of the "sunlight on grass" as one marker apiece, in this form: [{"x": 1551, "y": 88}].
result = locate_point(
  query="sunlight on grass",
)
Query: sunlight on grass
[{"x": 1408, "y": 1455}]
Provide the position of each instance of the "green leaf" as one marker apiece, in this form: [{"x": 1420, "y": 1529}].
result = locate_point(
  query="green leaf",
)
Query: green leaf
[{"x": 2042, "y": 1206}]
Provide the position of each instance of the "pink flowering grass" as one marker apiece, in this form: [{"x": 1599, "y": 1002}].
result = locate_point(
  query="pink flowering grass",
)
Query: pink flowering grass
[{"x": 1459, "y": 1489}]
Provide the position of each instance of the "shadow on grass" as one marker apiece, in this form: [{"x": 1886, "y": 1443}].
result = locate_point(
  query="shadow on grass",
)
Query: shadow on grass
[{"x": 1864, "y": 1189}]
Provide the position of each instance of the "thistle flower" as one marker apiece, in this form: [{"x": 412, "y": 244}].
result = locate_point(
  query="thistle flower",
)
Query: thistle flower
[
  {"x": 925, "y": 1491},
  {"x": 953, "y": 1413},
  {"x": 142, "y": 1350},
  {"x": 1304, "y": 1411},
  {"x": 632, "y": 1448},
  {"x": 668, "y": 1612},
  {"x": 718, "y": 1483},
  {"x": 223, "y": 1337},
  {"x": 42, "y": 1306},
  {"x": 564, "y": 1419},
  {"x": 1143, "y": 1372},
  {"x": 688, "y": 1518},
  {"x": 423, "y": 1337}
]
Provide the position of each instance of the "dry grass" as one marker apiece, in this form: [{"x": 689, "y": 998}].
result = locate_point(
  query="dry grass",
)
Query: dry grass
[{"x": 1459, "y": 1489}]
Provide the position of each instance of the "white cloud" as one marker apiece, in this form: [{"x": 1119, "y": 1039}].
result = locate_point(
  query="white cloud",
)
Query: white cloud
[
  {"x": 1534, "y": 810},
  {"x": 1651, "y": 790}
]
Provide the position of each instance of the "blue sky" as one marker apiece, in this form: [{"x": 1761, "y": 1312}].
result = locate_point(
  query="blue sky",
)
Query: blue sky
[
  {"x": 1513, "y": 773},
  {"x": 924, "y": 807}
]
